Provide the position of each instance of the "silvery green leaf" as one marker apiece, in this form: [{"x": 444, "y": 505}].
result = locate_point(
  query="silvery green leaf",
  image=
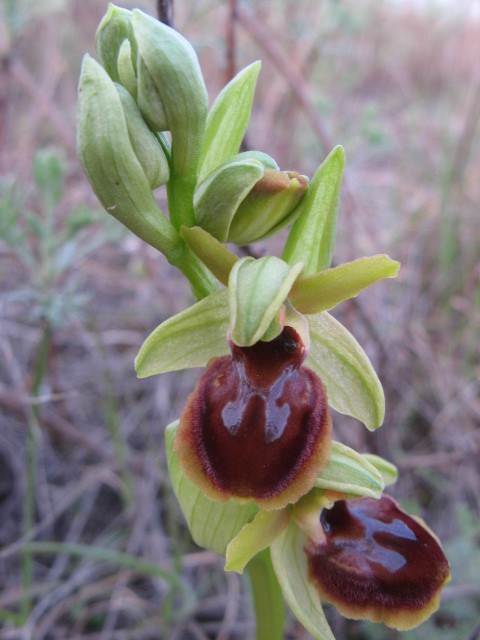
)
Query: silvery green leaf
[
  {"x": 228, "y": 119},
  {"x": 324, "y": 290},
  {"x": 257, "y": 292},
  {"x": 254, "y": 537},
  {"x": 350, "y": 473},
  {"x": 387, "y": 470},
  {"x": 218, "y": 197},
  {"x": 312, "y": 237},
  {"x": 290, "y": 565},
  {"x": 352, "y": 385},
  {"x": 212, "y": 524},
  {"x": 188, "y": 339}
]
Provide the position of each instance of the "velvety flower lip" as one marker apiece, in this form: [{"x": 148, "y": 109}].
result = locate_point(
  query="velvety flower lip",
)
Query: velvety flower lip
[
  {"x": 377, "y": 563},
  {"x": 257, "y": 426}
]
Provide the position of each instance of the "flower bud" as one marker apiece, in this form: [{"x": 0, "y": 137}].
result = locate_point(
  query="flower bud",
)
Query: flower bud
[
  {"x": 113, "y": 30},
  {"x": 375, "y": 562},
  {"x": 171, "y": 92},
  {"x": 121, "y": 157},
  {"x": 257, "y": 425},
  {"x": 246, "y": 199},
  {"x": 268, "y": 207}
]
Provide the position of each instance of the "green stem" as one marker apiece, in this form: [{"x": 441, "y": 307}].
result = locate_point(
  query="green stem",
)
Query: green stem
[{"x": 267, "y": 597}]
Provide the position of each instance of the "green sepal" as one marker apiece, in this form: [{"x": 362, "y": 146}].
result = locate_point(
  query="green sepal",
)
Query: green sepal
[
  {"x": 312, "y": 237},
  {"x": 214, "y": 255},
  {"x": 114, "y": 28},
  {"x": 290, "y": 565},
  {"x": 188, "y": 339},
  {"x": 353, "y": 387},
  {"x": 257, "y": 291},
  {"x": 350, "y": 473},
  {"x": 126, "y": 70},
  {"x": 228, "y": 119},
  {"x": 144, "y": 143},
  {"x": 387, "y": 470},
  {"x": 218, "y": 197},
  {"x": 212, "y": 524},
  {"x": 324, "y": 290},
  {"x": 111, "y": 165},
  {"x": 169, "y": 74},
  {"x": 254, "y": 537}
]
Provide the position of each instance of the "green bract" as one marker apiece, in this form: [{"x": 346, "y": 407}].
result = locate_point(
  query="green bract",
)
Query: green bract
[{"x": 312, "y": 237}]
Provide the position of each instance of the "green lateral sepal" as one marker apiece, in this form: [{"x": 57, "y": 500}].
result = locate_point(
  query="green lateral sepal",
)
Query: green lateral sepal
[
  {"x": 387, "y": 470},
  {"x": 188, "y": 339},
  {"x": 350, "y": 473},
  {"x": 212, "y": 524},
  {"x": 290, "y": 565},
  {"x": 352, "y": 385}
]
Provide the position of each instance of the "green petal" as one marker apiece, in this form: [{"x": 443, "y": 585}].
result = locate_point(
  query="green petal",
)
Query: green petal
[
  {"x": 254, "y": 537},
  {"x": 212, "y": 524},
  {"x": 218, "y": 197},
  {"x": 324, "y": 290},
  {"x": 351, "y": 473},
  {"x": 312, "y": 237},
  {"x": 290, "y": 564},
  {"x": 188, "y": 339},
  {"x": 211, "y": 252},
  {"x": 228, "y": 119},
  {"x": 387, "y": 470},
  {"x": 352, "y": 385},
  {"x": 257, "y": 291}
]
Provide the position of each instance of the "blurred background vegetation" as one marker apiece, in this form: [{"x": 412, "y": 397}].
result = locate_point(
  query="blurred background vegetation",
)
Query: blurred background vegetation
[{"x": 92, "y": 543}]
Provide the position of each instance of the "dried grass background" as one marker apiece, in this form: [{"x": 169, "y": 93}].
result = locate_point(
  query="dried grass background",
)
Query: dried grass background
[{"x": 92, "y": 543}]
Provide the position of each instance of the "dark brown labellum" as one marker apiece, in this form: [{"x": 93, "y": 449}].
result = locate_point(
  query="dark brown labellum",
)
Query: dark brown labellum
[
  {"x": 378, "y": 563},
  {"x": 257, "y": 425}
]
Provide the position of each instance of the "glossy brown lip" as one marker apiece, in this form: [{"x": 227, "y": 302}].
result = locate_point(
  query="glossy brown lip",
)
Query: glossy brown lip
[
  {"x": 257, "y": 425},
  {"x": 378, "y": 563}
]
